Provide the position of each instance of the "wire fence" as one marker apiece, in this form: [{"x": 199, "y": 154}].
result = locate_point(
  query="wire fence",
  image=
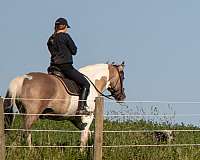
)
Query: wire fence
[
  {"x": 106, "y": 131},
  {"x": 112, "y": 131}
]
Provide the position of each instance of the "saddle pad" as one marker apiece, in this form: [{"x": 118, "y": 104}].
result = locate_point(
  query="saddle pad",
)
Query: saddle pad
[{"x": 71, "y": 87}]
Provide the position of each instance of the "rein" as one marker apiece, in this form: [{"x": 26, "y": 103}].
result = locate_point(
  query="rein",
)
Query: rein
[{"x": 107, "y": 96}]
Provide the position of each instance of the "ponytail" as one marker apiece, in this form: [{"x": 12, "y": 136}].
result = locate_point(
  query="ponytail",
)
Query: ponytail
[{"x": 58, "y": 27}]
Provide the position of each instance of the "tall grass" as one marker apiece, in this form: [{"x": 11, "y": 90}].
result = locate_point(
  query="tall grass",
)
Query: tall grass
[{"x": 109, "y": 153}]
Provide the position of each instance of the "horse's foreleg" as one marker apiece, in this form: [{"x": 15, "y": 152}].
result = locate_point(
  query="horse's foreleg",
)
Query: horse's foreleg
[
  {"x": 84, "y": 139},
  {"x": 86, "y": 131}
]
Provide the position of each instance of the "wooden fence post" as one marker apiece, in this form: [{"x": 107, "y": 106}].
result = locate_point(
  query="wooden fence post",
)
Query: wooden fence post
[
  {"x": 99, "y": 116},
  {"x": 2, "y": 135}
]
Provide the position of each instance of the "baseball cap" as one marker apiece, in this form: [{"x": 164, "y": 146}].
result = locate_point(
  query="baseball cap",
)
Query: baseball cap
[{"x": 62, "y": 21}]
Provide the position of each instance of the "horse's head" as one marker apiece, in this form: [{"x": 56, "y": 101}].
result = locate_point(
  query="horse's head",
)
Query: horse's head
[{"x": 116, "y": 78}]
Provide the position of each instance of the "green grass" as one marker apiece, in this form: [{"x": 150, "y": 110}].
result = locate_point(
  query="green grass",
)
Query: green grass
[{"x": 126, "y": 153}]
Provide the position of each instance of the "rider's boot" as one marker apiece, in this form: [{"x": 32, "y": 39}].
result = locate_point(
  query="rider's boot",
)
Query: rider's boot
[{"x": 83, "y": 102}]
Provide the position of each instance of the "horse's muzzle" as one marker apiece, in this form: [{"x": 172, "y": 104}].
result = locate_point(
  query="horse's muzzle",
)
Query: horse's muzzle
[{"x": 121, "y": 96}]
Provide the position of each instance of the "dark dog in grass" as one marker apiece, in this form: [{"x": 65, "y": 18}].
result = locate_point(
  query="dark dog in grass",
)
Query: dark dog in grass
[{"x": 166, "y": 136}]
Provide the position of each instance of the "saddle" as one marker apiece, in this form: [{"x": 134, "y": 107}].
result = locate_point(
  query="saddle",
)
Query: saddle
[{"x": 70, "y": 86}]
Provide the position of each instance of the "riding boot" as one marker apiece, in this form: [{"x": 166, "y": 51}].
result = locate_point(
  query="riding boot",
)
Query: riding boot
[{"x": 83, "y": 102}]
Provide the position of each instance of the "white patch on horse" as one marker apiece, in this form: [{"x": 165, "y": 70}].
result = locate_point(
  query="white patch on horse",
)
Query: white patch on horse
[
  {"x": 87, "y": 119},
  {"x": 73, "y": 106},
  {"x": 95, "y": 72}
]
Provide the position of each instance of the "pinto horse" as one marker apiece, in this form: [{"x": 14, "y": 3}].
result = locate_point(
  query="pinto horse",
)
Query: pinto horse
[{"x": 37, "y": 93}]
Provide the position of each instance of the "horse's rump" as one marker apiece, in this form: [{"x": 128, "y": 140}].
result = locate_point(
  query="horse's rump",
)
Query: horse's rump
[{"x": 38, "y": 91}]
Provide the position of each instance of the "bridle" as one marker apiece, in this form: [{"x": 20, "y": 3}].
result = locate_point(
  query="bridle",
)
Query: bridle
[{"x": 113, "y": 89}]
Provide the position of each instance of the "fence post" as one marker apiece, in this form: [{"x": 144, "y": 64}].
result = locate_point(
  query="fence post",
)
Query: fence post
[
  {"x": 99, "y": 116},
  {"x": 2, "y": 136}
]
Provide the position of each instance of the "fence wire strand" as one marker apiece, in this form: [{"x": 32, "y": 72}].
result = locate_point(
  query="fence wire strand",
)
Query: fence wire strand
[
  {"x": 108, "y": 115},
  {"x": 105, "y": 131},
  {"x": 112, "y": 146},
  {"x": 110, "y": 101}
]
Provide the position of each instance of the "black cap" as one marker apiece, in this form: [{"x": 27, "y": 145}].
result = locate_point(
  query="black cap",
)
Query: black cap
[{"x": 62, "y": 21}]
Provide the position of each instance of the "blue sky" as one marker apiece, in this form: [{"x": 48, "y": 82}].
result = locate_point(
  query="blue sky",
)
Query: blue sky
[{"x": 159, "y": 41}]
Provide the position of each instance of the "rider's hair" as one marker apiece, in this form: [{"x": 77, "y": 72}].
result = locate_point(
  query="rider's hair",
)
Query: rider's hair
[{"x": 59, "y": 27}]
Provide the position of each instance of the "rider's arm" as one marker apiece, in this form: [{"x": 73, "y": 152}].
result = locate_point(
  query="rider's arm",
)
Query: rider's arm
[{"x": 71, "y": 45}]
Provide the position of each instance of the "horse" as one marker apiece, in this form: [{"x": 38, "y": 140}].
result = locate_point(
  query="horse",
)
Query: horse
[{"x": 36, "y": 93}]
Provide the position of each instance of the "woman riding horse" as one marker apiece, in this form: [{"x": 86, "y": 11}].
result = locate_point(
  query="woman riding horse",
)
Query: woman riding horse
[
  {"x": 62, "y": 47},
  {"x": 38, "y": 93}
]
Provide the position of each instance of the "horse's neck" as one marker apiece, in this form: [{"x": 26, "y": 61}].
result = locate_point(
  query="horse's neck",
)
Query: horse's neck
[{"x": 98, "y": 74}]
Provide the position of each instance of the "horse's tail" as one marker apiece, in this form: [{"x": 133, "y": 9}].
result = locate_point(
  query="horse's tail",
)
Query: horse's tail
[
  {"x": 13, "y": 92},
  {"x": 8, "y": 108}
]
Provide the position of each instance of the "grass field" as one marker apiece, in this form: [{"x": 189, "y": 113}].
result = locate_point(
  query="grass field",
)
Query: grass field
[{"x": 124, "y": 153}]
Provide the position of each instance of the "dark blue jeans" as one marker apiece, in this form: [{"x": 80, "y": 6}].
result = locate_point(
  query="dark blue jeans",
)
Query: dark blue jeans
[{"x": 70, "y": 72}]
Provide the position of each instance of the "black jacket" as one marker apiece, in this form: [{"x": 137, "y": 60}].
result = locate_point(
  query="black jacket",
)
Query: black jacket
[{"x": 61, "y": 47}]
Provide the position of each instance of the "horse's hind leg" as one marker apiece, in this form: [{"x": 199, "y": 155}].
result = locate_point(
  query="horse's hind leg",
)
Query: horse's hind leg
[
  {"x": 31, "y": 110},
  {"x": 8, "y": 108},
  {"x": 28, "y": 122}
]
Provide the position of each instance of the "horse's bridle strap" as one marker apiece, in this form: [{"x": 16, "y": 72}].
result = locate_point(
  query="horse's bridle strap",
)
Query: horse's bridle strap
[{"x": 118, "y": 80}]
